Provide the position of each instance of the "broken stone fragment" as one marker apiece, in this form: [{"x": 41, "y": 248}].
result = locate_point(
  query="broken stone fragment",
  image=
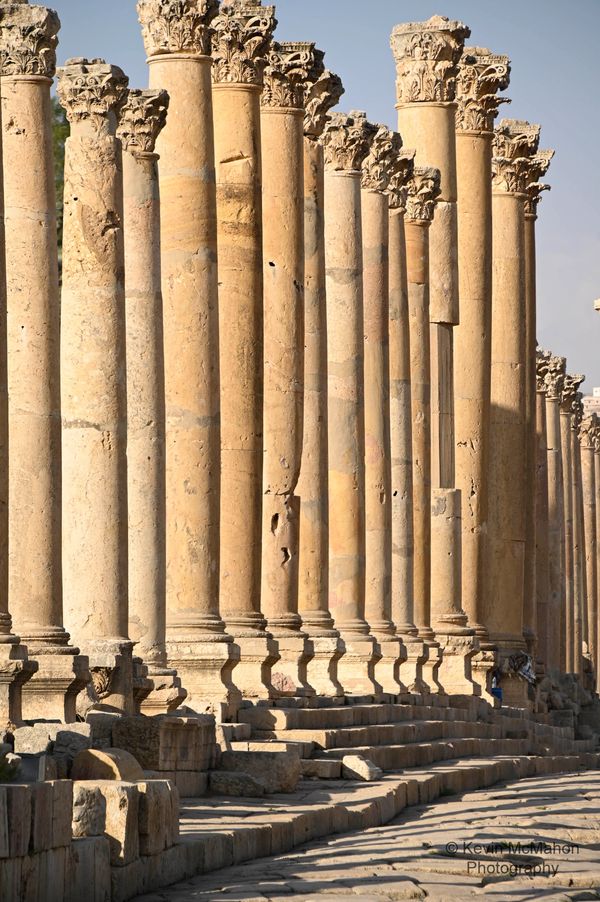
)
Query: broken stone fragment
[{"x": 355, "y": 767}]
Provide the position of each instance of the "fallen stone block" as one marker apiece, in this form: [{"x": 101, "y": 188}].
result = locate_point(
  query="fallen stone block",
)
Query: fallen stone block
[
  {"x": 278, "y": 771},
  {"x": 41, "y": 817},
  {"x": 108, "y": 764},
  {"x": 168, "y": 742},
  {"x": 156, "y": 815},
  {"x": 191, "y": 784},
  {"x": 355, "y": 767},
  {"x": 322, "y": 768},
  {"x": 18, "y": 807},
  {"x": 121, "y": 824},
  {"x": 88, "y": 871},
  {"x": 62, "y": 741},
  {"x": 36, "y": 768},
  {"x": 235, "y": 783},
  {"x": 89, "y": 810}
]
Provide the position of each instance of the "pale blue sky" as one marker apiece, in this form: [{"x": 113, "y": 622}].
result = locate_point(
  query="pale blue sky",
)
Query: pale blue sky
[{"x": 553, "y": 45}]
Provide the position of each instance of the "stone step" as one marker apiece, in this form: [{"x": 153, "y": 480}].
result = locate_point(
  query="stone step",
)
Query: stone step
[
  {"x": 262, "y": 717},
  {"x": 400, "y": 757}
]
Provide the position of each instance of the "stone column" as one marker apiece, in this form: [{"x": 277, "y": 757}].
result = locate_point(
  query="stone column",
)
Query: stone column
[
  {"x": 241, "y": 37},
  {"x": 378, "y": 166},
  {"x": 597, "y": 485},
  {"x": 141, "y": 119},
  {"x": 282, "y": 127},
  {"x": 177, "y": 37},
  {"x": 566, "y": 403},
  {"x": 423, "y": 188},
  {"x": 313, "y": 591},
  {"x": 579, "y": 571},
  {"x": 93, "y": 389},
  {"x": 587, "y": 435},
  {"x": 545, "y": 615},
  {"x": 556, "y": 516},
  {"x": 481, "y": 75},
  {"x": 537, "y": 167},
  {"x": 513, "y": 143},
  {"x": 346, "y": 144},
  {"x": 402, "y": 532}
]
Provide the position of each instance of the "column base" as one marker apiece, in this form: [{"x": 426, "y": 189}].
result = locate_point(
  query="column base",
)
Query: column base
[
  {"x": 205, "y": 669},
  {"x": 111, "y": 668},
  {"x": 387, "y": 669},
  {"x": 431, "y": 666},
  {"x": 258, "y": 654},
  {"x": 142, "y": 684},
  {"x": 15, "y": 670},
  {"x": 290, "y": 675},
  {"x": 167, "y": 693},
  {"x": 515, "y": 688},
  {"x": 483, "y": 664},
  {"x": 455, "y": 672},
  {"x": 411, "y": 671},
  {"x": 51, "y": 693},
  {"x": 356, "y": 669},
  {"x": 322, "y": 670}
]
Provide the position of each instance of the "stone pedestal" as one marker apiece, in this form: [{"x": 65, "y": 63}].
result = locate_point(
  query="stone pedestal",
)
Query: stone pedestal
[
  {"x": 93, "y": 389},
  {"x": 556, "y": 520},
  {"x": 346, "y": 144},
  {"x": 240, "y": 43},
  {"x": 177, "y": 40},
  {"x": 28, "y": 36},
  {"x": 313, "y": 588}
]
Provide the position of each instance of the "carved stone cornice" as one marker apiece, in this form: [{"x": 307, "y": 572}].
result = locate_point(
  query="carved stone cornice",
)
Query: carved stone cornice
[
  {"x": 555, "y": 377},
  {"x": 90, "y": 89},
  {"x": 515, "y": 142},
  {"x": 423, "y": 191},
  {"x": 382, "y": 159},
  {"x": 346, "y": 141},
  {"x": 539, "y": 164},
  {"x": 241, "y": 39},
  {"x": 320, "y": 95},
  {"x": 290, "y": 66},
  {"x": 399, "y": 179},
  {"x": 570, "y": 395},
  {"x": 588, "y": 431},
  {"x": 481, "y": 74},
  {"x": 142, "y": 117},
  {"x": 177, "y": 26},
  {"x": 542, "y": 363},
  {"x": 427, "y": 55},
  {"x": 28, "y": 39}
]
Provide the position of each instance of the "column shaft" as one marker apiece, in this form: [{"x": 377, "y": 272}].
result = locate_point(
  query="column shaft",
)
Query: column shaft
[
  {"x": 590, "y": 541},
  {"x": 596, "y": 663},
  {"x": 579, "y": 571},
  {"x": 531, "y": 518},
  {"x": 556, "y": 550},
  {"x": 569, "y": 584},
  {"x": 545, "y": 615}
]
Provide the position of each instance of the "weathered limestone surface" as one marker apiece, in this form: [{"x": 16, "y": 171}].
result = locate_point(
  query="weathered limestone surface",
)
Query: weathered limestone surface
[
  {"x": 346, "y": 144},
  {"x": 93, "y": 389},
  {"x": 568, "y": 391},
  {"x": 313, "y": 589},
  {"x": 553, "y": 379},
  {"x": 546, "y": 620},
  {"x": 178, "y": 43},
  {"x": 588, "y": 431},
  {"x": 579, "y": 569}
]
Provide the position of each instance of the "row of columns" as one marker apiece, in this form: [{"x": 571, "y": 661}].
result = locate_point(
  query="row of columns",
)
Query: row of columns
[{"x": 272, "y": 477}]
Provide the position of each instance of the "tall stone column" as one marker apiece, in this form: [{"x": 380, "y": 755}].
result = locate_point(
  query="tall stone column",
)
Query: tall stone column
[
  {"x": 579, "y": 570},
  {"x": 556, "y": 647},
  {"x": 177, "y": 36},
  {"x": 597, "y": 485},
  {"x": 402, "y": 532},
  {"x": 141, "y": 119},
  {"x": 537, "y": 166},
  {"x": 514, "y": 142},
  {"x": 240, "y": 44},
  {"x": 282, "y": 127},
  {"x": 313, "y": 590},
  {"x": 378, "y": 166},
  {"x": 423, "y": 189},
  {"x": 568, "y": 392},
  {"x": 481, "y": 75},
  {"x": 93, "y": 389},
  {"x": 542, "y": 531},
  {"x": 346, "y": 144},
  {"x": 587, "y": 435}
]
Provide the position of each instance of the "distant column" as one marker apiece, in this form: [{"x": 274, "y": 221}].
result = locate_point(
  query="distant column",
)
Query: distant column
[
  {"x": 568, "y": 394},
  {"x": 597, "y": 484},
  {"x": 587, "y": 435},
  {"x": 579, "y": 570},
  {"x": 542, "y": 531},
  {"x": 554, "y": 378},
  {"x": 93, "y": 389},
  {"x": 346, "y": 144},
  {"x": 313, "y": 592}
]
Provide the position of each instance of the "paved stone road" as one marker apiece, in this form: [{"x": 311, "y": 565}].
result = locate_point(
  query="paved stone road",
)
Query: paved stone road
[{"x": 486, "y": 844}]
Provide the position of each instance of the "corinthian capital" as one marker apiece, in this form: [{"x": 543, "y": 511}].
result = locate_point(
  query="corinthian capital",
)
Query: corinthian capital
[
  {"x": 515, "y": 142},
  {"x": 400, "y": 178},
  {"x": 381, "y": 161},
  {"x": 28, "y": 39},
  {"x": 321, "y": 94},
  {"x": 542, "y": 363},
  {"x": 289, "y": 67},
  {"x": 538, "y": 166},
  {"x": 588, "y": 429},
  {"x": 176, "y": 26},
  {"x": 481, "y": 74},
  {"x": 90, "y": 90},
  {"x": 346, "y": 140},
  {"x": 142, "y": 117},
  {"x": 427, "y": 55},
  {"x": 570, "y": 400},
  {"x": 423, "y": 191},
  {"x": 555, "y": 377},
  {"x": 240, "y": 44}
]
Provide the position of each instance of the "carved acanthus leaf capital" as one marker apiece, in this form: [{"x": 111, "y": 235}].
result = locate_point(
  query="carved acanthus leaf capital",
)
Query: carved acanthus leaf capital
[
  {"x": 242, "y": 34},
  {"x": 542, "y": 364},
  {"x": 28, "y": 39},
  {"x": 427, "y": 55},
  {"x": 555, "y": 377},
  {"x": 515, "y": 142},
  {"x": 570, "y": 399},
  {"x": 346, "y": 141},
  {"x": 400, "y": 178},
  {"x": 321, "y": 95},
  {"x": 382, "y": 159},
  {"x": 588, "y": 429},
  {"x": 481, "y": 74},
  {"x": 177, "y": 26},
  {"x": 538, "y": 166},
  {"x": 289, "y": 67},
  {"x": 142, "y": 117},
  {"x": 423, "y": 190},
  {"x": 90, "y": 90}
]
